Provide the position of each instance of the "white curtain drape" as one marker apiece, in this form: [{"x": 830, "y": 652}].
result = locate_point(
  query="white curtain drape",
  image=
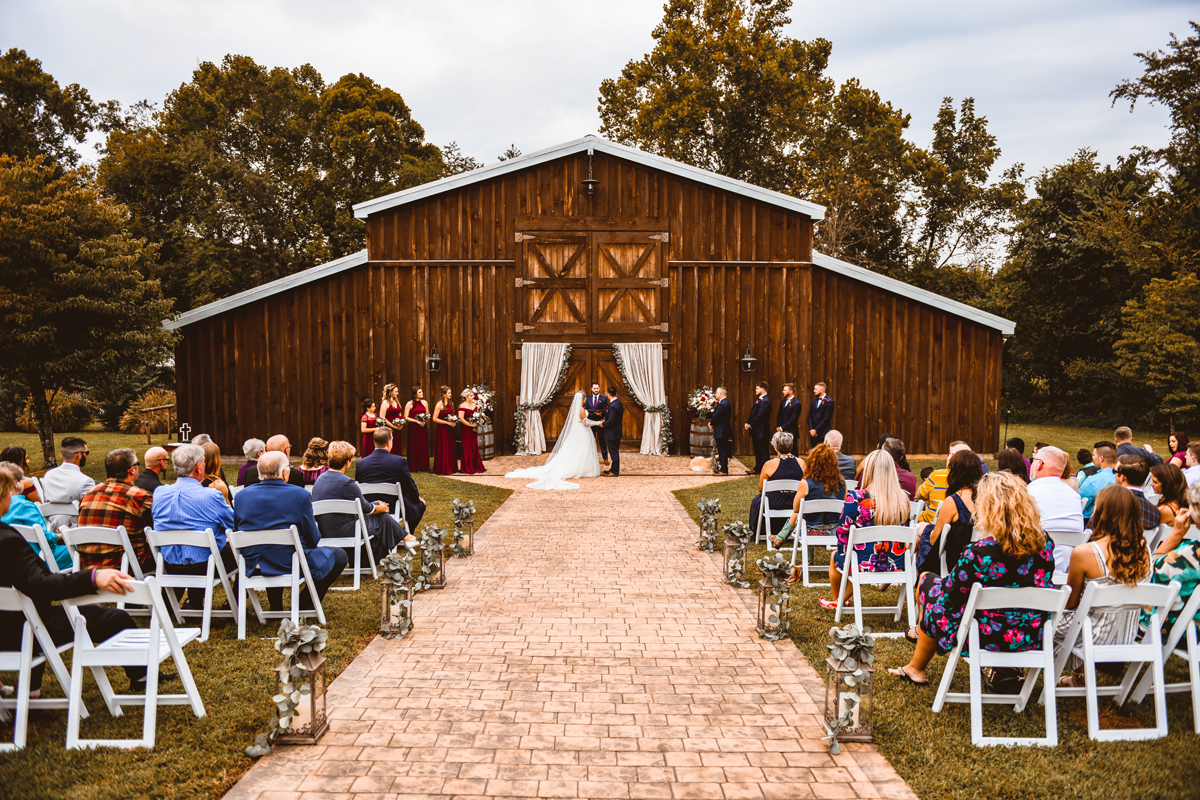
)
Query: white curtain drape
[
  {"x": 644, "y": 376},
  {"x": 541, "y": 365}
]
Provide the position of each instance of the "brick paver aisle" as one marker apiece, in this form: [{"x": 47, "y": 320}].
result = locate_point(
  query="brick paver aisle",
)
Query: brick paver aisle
[{"x": 587, "y": 650}]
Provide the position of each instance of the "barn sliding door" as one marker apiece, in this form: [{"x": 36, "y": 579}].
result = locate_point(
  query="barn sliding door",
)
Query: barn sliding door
[
  {"x": 628, "y": 284},
  {"x": 555, "y": 279}
]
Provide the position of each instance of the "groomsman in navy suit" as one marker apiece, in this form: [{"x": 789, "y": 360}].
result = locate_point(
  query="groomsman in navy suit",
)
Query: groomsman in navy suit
[
  {"x": 613, "y": 420},
  {"x": 722, "y": 428},
  {"x": 596, "y": 406},
  {"x": 788, "y": 420},
  {"x": 759, "y": 424},
  {"x": 820, "y": 414}
]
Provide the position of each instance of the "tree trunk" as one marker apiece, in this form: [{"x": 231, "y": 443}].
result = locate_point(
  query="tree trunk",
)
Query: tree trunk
[{"x": 41, "y": 416}]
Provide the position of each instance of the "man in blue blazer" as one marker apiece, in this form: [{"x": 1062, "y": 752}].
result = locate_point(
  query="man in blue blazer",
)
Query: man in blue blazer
[
  {"x": 820, "y": 415},
  {"x": 788, "y": 420},
  {"x": 722, "y": 428},
  {"x": 759, "y": 425},
  {"x": 613, "y": 419},
  {"x": 271, "y": 504},
  {"x": 385, "y": 531},
  {"x": 383, "y": 467}
]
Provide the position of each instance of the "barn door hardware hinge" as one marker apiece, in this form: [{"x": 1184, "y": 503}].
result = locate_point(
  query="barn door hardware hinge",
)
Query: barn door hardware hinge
[
  {"x": 520, "y": 237},
  {"x": 662, "y": 328},
  {"x": 521, "y": 282},
  {"x": 663, "y": 282},
  {"x": 662, "y": 237},
  {"x": 522, "y": 328}
]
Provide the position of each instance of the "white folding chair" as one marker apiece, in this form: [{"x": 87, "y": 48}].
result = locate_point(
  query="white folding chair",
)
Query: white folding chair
[
  {"x": 233, "y": 490},
  {"x": 1079, "y": 641},
  {"x": 1162, "y": 532},
  {"x": 389, "y": 490},
  {"x": 1151, "y": 535},
  {"x": 905, "y": 578},
  {"x": 762, "y": 530},
  {"x": 249, "y": 585},
  {"x": 133, "y": 647},
  {"x": 358, "y": 542},
  {"x": 1067, "y": 539},
  {"x": 37, "y": 485},
  {"x": 37, "y": 537},
  {"x": 803, "y": 540},
  {"x": 23, "y": 661},
  {"x": 113, "y": 537},
  {"x": 214, "y": 576},
  {"x": 1184, "y": 630},
  {"x": 851, "y": 484},
  {"x": 49, "y": 510},
  {"x": 991, "y": 598},
  {"x": 915, "y": 508}
]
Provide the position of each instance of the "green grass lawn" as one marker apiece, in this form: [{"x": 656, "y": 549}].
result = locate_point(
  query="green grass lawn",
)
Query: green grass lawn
[
  {"x": 933, "y": 752},
  {"x": 203, "y": 758}
]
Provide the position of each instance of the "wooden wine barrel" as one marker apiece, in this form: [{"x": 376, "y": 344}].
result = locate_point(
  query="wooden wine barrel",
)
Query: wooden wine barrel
[
  {"x": 487, "y": 441},
  {"x": 702, "y": 438}
]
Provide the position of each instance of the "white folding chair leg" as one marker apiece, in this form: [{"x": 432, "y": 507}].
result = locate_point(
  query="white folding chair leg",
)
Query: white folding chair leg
[{"x": 21, "y": 720}]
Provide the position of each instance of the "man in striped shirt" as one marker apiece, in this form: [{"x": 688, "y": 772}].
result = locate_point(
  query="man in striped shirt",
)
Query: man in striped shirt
[{"x": 113, "y": 503}]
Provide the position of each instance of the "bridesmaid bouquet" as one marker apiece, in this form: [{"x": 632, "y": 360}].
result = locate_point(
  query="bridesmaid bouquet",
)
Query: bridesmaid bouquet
[
  {"x": 423, "y": 417},
  {"x": 478, "y": 417},
  {"x": 484, "y": 398}
]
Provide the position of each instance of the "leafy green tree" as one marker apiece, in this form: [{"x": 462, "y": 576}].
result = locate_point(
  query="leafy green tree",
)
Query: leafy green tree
[
  {"x": 249, "y": 173},
  {"x": 1159, "y": 346},
  {"x": 512, "y": 152},
  {"x": 76, "y": 306}
]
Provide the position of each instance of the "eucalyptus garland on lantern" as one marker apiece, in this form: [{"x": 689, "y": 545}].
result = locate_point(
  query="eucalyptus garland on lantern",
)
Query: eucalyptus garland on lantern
[
  {"x": 398, "y": 569},
  {"x": 775, "y": 571},
  {"x": 464, "y": 515},
  {"x": 292, "y": 643},
  {"x": 665, "y": 439},
  {"x": 737, "y": 537},
  {"x": 519, "y": 414},
  {"x": 852, "y": 650},
  {"x": 708, "y": 523},
  {"x": 433, "y": 545}
]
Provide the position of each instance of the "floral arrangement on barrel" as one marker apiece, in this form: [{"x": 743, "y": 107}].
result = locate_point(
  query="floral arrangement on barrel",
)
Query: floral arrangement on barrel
[
  {"x": 484, "y": 402},
  {"x": 703, "y": 401}
]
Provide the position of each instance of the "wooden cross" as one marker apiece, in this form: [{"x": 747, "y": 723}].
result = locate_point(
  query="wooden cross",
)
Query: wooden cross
[{"x": 185, "y": 432}]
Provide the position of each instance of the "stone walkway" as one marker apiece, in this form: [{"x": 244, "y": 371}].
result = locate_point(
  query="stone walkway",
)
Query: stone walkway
[{"x": 587, "y": 650}]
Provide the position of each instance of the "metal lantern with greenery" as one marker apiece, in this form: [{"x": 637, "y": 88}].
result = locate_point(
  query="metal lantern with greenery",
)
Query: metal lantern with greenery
[
  {"x": 433, "y": 559},
  {"x": 773, "y": 609},
  {"x": 709, "y": 509},
  {"x": 737, "y": 536},
  {"x": 300, "y": 713},
  {"x": 464, "y": 528},
  {"x": 395, "y": 595},
  {"x": 849, "y": 686}
]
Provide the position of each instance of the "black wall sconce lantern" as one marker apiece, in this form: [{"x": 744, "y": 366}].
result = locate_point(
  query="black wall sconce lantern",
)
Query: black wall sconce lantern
[
  {"x": 748, "y": 361},
  {"x": 590, "y": 183},
  {"x": 433, "y": 362}
]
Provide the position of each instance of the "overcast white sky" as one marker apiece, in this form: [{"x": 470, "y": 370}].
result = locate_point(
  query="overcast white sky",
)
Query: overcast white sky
[{"x": 487, "y": 73}]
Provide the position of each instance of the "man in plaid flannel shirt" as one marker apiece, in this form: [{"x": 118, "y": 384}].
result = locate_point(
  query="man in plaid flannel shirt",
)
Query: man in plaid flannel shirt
[{"x": 117, "y": 502}]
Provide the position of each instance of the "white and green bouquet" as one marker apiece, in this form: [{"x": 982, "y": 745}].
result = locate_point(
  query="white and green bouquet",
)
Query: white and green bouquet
[{"x": 703, "y": 401}]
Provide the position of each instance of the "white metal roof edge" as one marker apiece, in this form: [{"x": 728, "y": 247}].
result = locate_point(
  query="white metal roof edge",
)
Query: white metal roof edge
[
  {"x": 266, "y": 290},
  {"x": 1005, "y": 326},
  {"x": 366, "y": 208}
]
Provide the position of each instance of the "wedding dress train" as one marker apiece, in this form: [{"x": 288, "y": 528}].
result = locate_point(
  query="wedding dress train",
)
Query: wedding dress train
[{"x": 574, "y": 456}]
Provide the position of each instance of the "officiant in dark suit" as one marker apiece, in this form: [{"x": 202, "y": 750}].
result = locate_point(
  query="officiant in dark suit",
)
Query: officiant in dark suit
[
  {"x": 596, "y": 406},
  {"x": 381, "y": 466},
  {"x": 722, "y": 428},
  {"x": 788, "y": 420},
  {"x": 820, "y": 415},
  {"x": 759, "y": 425},
  {"x": 613, "y": 419}
]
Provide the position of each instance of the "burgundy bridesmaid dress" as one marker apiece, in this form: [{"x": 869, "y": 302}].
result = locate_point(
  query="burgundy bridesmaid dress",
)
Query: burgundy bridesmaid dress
[
  {"x": 418, "y": 441},
  {"x": 368, "y": 439},
  {"x": 391, "y": 415},
  {"x": 443, "y": 446},
  {"x": 471, "y": 464}
]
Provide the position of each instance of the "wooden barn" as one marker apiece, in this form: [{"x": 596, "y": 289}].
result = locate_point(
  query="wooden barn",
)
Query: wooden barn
[{"x": 590, "y": 243}]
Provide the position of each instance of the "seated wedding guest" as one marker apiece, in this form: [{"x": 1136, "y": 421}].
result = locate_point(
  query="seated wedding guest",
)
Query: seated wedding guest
[
  {"x": 783, "y": 467},
  {"x": 1116, "y": 554},
  {"x": 117, "y": 501},
  {"x": 1087, "y": 466},
  {"x": 1013, "y": 553},
  {"x": 186, "y": 505},
  {"x": 1131, "y": 472},
  {"x": 823, "y": 481},
  {"x": 212, "y": 471},
  {"x": 1123, "y": 437},
  {"x": 1010, "y": 459},
  {"x": 22, "y": 512},
  {"x": 66, "y": 483},
  {"x": 1178, "y": 559},
  {"x": 383, "y": 467},
  {"x": 961, "y": 486},
  {"x": 277, "y": 444},
  {"x": 846, "y": 463},
  {"x": 1191, "y": 468},
  {"x": 925, "y": 473},
  {"x": 315, "y": 461},
  {"x": 271, "y": 504},
  {"x": 21, "y": 569},
  {"x": 1058, "y": 504},
  {"x": 878, "y": 500},
  {"x": 933, "y": 489},
  {"x": 20, "y": 457},
  {"x": 908, "y": 482},
  {"x": 1105, "y": 456},
  {"x": 152, "y": 472},
  {"x": 251, "y": 449},
  {"x": 203, "y": 439},
  {"x": 1018, "y": 445},
  {"x": 333, "y": 484},
  {"x": 1177, "y": 443},
  {"x": 1168, "y": 483}
]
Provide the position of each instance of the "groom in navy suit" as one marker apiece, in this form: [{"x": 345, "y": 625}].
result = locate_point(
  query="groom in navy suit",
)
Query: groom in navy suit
[
  {"x": 596, "y": 406},
  {"x": 722, "y": 430},
  {"x": 820, "y": 415},
  {"x": 613, "y": 419},
  {"x": 758, "y": 424}
]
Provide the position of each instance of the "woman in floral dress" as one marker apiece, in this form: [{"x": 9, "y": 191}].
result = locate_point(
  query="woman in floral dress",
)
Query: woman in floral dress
[{"x": 1014, "y": 553}]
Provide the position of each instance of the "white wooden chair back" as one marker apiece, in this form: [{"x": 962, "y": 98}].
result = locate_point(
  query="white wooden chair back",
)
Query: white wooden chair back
[
  {"x": 1040, "y": 660},
  {"x": 249, "y": 585},
  {"x": 233, "y": 491},
  {"x": 131, "y": 647},
  {"x": 915, "y": 508},
  {"x": 36, "y": 536},
  {"x": 49, "y": 510},
  {"x": 1079, "y": 641},
  {"x": 215, "y": 575},
  {"x": 113, "y": 537},
  {"x": 803, "y": 540},
  {"x": 389, "y": 490},
  {"x": 905, "y": 578},
  {"x": 37, "y": 486},
  {"x": 762, "y": 530},
  {"x": 851, "y": 484},
  {"x": 1182, "y": 642},
  {"x": 357, "y": 543},
  {"x": 1067, "y": 539}
]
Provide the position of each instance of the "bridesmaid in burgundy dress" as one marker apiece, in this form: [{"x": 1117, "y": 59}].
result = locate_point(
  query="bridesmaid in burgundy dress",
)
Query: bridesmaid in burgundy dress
[
  {"x": 391, "y": 412},
  {"x": 418, "y": 431},
  {"x": 444, "y": 462},
  {"x": 366, "y": 426},
  {"x": 471, "y": 462}
]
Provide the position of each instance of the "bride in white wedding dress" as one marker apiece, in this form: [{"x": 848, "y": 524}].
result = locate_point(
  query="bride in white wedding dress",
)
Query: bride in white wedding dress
[{"x": 574, "y": 455}]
